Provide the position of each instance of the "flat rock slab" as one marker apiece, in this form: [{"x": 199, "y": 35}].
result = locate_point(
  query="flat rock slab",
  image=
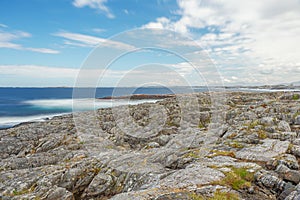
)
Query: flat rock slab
[
  {"x": 193, "y": 175},
  {"x": 264, "y": 152}
]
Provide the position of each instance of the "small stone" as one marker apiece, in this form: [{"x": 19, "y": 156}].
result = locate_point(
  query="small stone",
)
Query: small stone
[
  {"x": 288, "y": 189},
  {"x": 267, "y": 121},
  {"x": 269, "y": 180},
  {"x": 171, "y": 161},
  {"x": 284, "y": 126},
  {"x": 153, "y": 145},
  {"x": 99, "y": 184},
  {"x": 251, "y": 190},
  {"x": 297, "y": 120}
]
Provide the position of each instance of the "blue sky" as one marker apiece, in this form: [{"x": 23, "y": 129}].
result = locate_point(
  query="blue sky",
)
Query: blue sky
[{"x": 45, "y": 42}]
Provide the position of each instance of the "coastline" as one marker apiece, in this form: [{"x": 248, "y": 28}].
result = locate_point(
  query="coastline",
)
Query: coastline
[
  {"x": 81, "y": 106},
  {"x": 159, "y": 157},
  {"x": 11, "y": 121}
]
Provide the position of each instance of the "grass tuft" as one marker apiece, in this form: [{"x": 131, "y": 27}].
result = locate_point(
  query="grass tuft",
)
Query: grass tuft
[
  {"x": 218, "y": 195},
  {"x": 221, "y": 153},
  {"x": 296, "y": 97},
  {"x": 237, "y": 178}
]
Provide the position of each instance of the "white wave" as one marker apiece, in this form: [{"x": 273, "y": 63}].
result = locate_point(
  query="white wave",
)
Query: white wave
[
  {"x": 82, "y": 104},
  {"x": 267, "y": 90},
  {"x": 12, "y": 121},
  {"x": 79, "y": 105}
]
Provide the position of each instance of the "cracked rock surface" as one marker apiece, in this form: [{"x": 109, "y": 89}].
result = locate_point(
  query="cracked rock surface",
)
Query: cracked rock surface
[{"x": 232, "y": 145}]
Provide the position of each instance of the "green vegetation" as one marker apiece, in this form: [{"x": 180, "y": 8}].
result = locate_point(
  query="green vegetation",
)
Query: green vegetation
[
  {"x": 192, "y": 154},
  {"x": 235, "y": 144},
  {"x": 221, "y": 153},
  {"x": 252, "y": 124},
  {"x": 224, "y": 196},
  {"x": 262, "y": 134},
  {"x": 194, "y": 196},
  {"x": 237, "y": 178},
  {"x": 296, "y": 97},
  {"x": 290, "y": 148},
  {"x": 170, "y": 123},
  {"x": 201, "y": 125},
  {"x": 218, "y": 195},
  {"x": 233, "y": 135},
  {"x": 24, "y": 191},
  {"x": 296, "y": 114}
]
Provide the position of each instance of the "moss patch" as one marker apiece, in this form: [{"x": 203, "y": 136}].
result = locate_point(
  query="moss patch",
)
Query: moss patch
[
  {"x": 237, "y": 178},
  {"x": 262, "y": 134},
  {"x": 218, "y": 195},
  {"x": 235, "y": 144},
  {"x": 221, "y": 153},
  {"x": 296, "y": 97},
  {"x": 224, "y": 196}
]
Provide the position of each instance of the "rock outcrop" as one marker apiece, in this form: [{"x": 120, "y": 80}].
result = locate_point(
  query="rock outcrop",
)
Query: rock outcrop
[{"x": 243, "y": 146}]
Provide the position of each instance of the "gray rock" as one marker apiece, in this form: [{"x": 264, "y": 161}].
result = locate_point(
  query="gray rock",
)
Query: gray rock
[
  {"x": 288, "y": 189},
  {"x": 269, "y": 149},
  {"x": 294, "y": 195},
  {"x": 297, "y": 120},
  {"x": 191, "y": 176},
  {"x": 58, "y": 193},
  {"x": 288, "y": 174},
  {"x": 295, "y": 150},
  {"x": 290, "y": 136},
  {"x": 286, "y": 159},
  {"x": 100, "y": 184},
  {"x": 167, "y": 150},
  {"x": 153, "y": 145},
  {"x": 267, "y": 121},
  {"x": 284, "y": 126},
  {"x": 269, "y": 180}
]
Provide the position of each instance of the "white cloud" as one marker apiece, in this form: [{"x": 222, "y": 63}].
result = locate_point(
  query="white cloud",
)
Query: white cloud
[
  {"x": 43, "y": 50},
  {"x": 98, "y": 30},
  {"x": 41, "y": 76},
  {"x": 161, "y": 23},
  {"x": 8, "y": 40},
  {"x": 248, "y": 34},
  {"x": 82, "y": 40},
  {"x": 95, "y": 4},
  {"x": 35, "y": 71},
  {"x": 3, "y": 26}
]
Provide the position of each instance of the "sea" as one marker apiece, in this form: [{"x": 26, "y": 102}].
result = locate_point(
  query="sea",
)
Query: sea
[{"x": 18, "y": 105}]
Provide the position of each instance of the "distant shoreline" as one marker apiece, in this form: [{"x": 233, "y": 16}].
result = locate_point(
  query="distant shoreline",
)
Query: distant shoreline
[
  {"x": 17, "y": 120},
  {"x": 140, "y": 96}
]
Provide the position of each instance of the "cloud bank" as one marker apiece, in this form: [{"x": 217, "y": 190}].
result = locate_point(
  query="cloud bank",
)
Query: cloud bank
[{"x": 256, "y": 41}]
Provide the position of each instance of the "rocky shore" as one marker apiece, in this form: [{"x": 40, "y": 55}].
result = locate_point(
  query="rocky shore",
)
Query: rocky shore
[
  {"x": 185, "y": 147},
  {"x": 142, "y": 96}
]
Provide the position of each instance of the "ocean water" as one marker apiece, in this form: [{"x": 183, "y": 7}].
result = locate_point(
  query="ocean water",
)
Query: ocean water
[{"x": 19, "y": 105}]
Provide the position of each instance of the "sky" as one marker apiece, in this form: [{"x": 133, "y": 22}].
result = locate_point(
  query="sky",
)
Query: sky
[{"x": 49, "y": 43}]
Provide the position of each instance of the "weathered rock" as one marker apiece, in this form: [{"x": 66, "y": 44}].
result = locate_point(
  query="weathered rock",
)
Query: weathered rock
[
  {"x": 269, "y": 180},
  {"x": 100, "y": 184},
  {"x": 191, "y": 176},
  {"x": 288, "y": 174},
  {"x": 284, "y": 126},
  {"x": 58, "y": 193},
  {"x": 295, "y": 150},
  {"x": 294, "y": 195},
  {"x": 288, "y": 189},
  {"x": 265, "y": 152},
  {"x": 297, "y": 120},
  {"x": 289, "y": 136},
  {"x": 286, "y": 159},
  {"x": 168, "y": 150},
  {"x": 267, "y": 121}
]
